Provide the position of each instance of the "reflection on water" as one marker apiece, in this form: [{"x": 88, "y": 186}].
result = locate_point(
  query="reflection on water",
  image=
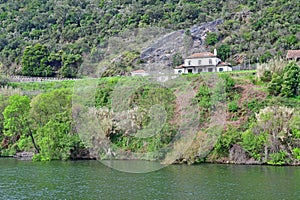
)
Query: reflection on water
[
  {"x": 93, "y": 180},
  {"x": 133, "y": 166}
]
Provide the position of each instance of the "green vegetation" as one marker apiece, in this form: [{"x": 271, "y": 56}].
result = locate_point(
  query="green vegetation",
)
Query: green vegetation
[
  {"x": 36, "y": 61},
  {"x": 52, "y": 38},
  {"x": 139, "y": 118},
  {"x": 41, "y": 124},
  {"x": 286, "y": 82}
]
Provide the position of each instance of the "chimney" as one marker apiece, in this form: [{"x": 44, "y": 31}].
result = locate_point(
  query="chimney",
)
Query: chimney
[{"x": 215, "y": 52}]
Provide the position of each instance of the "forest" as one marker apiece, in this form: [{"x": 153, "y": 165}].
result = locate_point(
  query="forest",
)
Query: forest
[{"x": 52, "y": 38}]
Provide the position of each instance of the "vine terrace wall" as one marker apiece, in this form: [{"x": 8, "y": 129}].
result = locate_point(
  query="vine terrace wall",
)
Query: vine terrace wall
[{"x": 36, "y": 79}]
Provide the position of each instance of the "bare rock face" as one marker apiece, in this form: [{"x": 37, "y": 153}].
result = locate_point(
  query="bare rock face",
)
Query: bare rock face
[
  {"x": 159, "y": 55},
  {"x": 237, "y": 155},
  {"x": 24, "y": 155}
]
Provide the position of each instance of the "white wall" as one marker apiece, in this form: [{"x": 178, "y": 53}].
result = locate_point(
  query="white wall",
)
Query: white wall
[
  {"x": 204, "y": 61},
  {"x": 225, "y": 68},
  {"x": 195, "y": 70},
  {"x": 179, "y": 71}
]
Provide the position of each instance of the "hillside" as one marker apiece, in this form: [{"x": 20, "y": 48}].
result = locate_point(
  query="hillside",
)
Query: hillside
[
  {"x": 244, "y": 117},
  {"x": 69, "y": 38}
]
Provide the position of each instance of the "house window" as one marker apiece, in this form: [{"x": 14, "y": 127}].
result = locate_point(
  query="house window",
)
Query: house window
[
  {"x": 179, "y": 71},
  {"x": 210, "y": 61},
  {"x": 190, "y": 70},
  {"x": 199, "y": 62},
  {"x": 200, "y": 70},
  {"x": 189, "y": 62},
  {"x": 221, "y": 69},
  {"x": 210, "y": 69}
]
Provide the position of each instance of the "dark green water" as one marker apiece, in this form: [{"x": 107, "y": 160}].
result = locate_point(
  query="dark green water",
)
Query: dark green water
[{"x": 93, "y": 180}]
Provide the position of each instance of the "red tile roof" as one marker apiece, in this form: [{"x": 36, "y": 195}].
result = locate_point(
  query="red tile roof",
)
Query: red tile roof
[
  {"x": 139, "y": 71},
  {"x": 224, "y": 64},
  {"x": 293, "y": 54},
  {"x": 179, "y": 67},
  {"x": 202, "y": 55}
]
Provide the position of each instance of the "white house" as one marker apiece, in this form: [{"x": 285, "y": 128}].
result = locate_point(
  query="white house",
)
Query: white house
[
  {"x": 202, "y": 62},
  {"x": 139, "y": 72}
]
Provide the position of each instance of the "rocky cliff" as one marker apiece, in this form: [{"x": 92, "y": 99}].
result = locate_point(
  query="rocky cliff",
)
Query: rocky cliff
[{"x": 159, "y": 55}]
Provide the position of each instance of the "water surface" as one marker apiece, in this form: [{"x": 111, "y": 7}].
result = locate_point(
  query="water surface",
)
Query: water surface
[{"x": 93, "y": 180}]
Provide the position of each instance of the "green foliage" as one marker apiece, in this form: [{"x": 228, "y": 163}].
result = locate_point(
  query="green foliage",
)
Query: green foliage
[
  {"x": 54, "y": 138},
  {"x": 78, "y": 28},
  {"x": 287, "y": 83},
  {"x": 203, "y": 98},
  {"x": 177, "y": 59},
  {"x": 3, "y": 81},
  {"x": 226, "y": 140},
  {"x": 274, "y": 87},
  {"x": 104, "y": 90},
  {"x": 290, "y": 80},
  {"x": 71, "y": 63},
  {"x": 229, "y": 82},
  {"x": 38, "y": 61},
  {"x": 233, "y": 106},
  {"x": 254, "y": 143},
  {"x": 211, "y": 38},
  {"x": 267, "y": 76},
  {"x": 15, "y": 115},
  {"x": 34, "y": 61},
  {"x": 296, "y": 153},
  {"x": 278, "y": 158},
  {"x": 224, "y": 52}
]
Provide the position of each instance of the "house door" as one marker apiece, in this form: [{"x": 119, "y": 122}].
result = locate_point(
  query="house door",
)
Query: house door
[{"x": 190, "y": 70}]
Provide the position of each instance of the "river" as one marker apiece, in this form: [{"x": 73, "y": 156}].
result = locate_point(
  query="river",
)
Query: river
[{"x": 93, "y": 180}]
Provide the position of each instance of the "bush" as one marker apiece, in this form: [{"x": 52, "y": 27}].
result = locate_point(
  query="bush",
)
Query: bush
[
  {"x": 233, "y": 106},
  {"x": 296, "y": 153},
  {"x": 267, "y": 76},
  {"x": 211, "y": 38},
  {"x": 279, "y": 158},
  {"x": 3, "y": 81},
  {"x": 286, "y": 83},
  {"x": 229, "y": 82}
]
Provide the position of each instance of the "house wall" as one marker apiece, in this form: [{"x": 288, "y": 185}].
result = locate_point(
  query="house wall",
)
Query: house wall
[
  {"x": 139, "y": 74},
  {"x": 195, "y": 70},
  {"x": 225, "y": 68},
  {"x": 204, "y": 61},
  {"x": 179, "y": 71}
]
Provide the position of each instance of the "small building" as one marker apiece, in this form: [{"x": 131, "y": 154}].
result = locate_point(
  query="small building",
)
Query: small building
[
  {"x": 202, "y": 62},
  {"x": 293, "y": 55},
  {"x": 139, "y": 72}
]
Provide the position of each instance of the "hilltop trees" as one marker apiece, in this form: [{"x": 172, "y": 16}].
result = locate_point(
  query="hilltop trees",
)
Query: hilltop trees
[
  {"x": 38, "y": 61},
  {"x": 261, "y": 30},
  {"x": 35, "y": 62}
]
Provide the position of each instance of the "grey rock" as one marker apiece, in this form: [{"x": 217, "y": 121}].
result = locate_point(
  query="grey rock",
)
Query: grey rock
[{"x": 158, "y": 56}]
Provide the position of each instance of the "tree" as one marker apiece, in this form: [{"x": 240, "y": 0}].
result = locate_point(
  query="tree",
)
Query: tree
[
  {"x": 177, "y": 59},
  {"x": 34, "y": 61},
  {"x": 71, "y": 63},
  {"x": 16, "y": 120},
  {"x": 224, "y": 51},
  {"x": 290, "y": 80},
  {"x": 286, "y": 83},
  {"x": 51, "y": 118},
  {"x": 211, "y": 38},
  {"x": 274, "y": 87}
]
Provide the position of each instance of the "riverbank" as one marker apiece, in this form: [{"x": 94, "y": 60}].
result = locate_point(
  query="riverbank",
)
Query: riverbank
[{"x": 214, "y": 117}]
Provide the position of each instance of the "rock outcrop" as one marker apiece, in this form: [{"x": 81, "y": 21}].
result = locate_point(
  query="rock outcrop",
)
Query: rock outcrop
[
  {"x": 160, "y": 54},
  {"x": 237, "y": 155}
]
